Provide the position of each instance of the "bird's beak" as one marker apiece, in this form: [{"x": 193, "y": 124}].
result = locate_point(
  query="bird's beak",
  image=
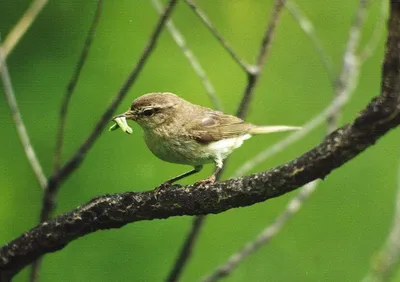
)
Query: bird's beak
[
  {"x": 119, "y": 116},
  {"x": 128, "y": 115}
]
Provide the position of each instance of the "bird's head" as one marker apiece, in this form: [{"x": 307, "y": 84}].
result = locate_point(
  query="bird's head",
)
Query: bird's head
[{"x": 153, "y": 109}]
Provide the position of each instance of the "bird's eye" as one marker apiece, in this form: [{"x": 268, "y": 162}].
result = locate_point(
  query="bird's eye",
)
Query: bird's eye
[{"x": 148, "y": 112}]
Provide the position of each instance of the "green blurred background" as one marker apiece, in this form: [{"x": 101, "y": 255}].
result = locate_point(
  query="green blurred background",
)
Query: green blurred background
[{"x": 333, "y": 238}]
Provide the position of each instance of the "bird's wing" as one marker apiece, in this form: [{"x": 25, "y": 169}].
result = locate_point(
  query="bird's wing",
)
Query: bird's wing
[{"x": 214, "y": 126}]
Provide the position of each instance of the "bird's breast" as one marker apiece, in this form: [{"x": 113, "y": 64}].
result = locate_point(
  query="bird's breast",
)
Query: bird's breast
[{"x": 177, "y": 148}]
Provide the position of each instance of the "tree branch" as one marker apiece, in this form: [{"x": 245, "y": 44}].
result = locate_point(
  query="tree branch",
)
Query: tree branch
[
  {"x": 72, "y": 84},
  {"x": 308, "y": 27},
  {"x": 22, "y": 26},
  {"x": 204, "y": 19},
  {"x": 19, "y": 123},
  {"x": 384, "y": 263},
  {"x": 371, "y": 45},
  {"x": 254, "y": 75}
]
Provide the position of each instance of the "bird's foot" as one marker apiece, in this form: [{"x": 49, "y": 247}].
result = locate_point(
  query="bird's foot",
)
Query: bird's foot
[
  {"x": 160, "y": 189},
  {"x": 207, "y": 181}
]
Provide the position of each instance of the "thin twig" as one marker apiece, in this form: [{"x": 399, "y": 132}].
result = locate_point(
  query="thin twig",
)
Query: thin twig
[
  {"x": 79, "y": 156},
  {"x": 194, "y": 62},
  {"x": 254, "y": 76},
  {"x": 307, "y": 26},
  {"x": 348, "y": 77},
  {"x": 19, "y": 124},
  {"x": 388, "y": 257},
  {"x": 186, "y": 249},
  {"x": 349, "y": 67},
  {"x": 190, "y": 240},
  {"x": 205, "y": 20},
  {"x": 72, "y": 84},
  {"x": 22, "y": 26},
  {"x": 372, "y": 44}
]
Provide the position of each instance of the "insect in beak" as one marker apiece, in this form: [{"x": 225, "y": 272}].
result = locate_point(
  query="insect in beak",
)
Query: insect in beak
[{"x": 120, "y": 122}]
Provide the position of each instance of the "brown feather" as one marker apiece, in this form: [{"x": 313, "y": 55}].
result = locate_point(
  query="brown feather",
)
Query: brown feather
[{"x": 215, "y": 126}]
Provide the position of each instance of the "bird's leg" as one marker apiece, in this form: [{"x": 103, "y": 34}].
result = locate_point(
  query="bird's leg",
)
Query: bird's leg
[
  {"x": 167, "y": 183},
  {"x": 211, "y": 179},
  {"x": 196, "y": 169}
]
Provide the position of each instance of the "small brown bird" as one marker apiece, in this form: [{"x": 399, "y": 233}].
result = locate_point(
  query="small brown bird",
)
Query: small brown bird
[{"x": 178, "y": 131}]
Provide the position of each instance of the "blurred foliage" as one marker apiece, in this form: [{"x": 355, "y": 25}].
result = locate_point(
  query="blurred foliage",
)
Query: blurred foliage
[{"x": 333, "y": 238}]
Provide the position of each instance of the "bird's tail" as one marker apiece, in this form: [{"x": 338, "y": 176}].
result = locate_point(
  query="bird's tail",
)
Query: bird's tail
[{"x": 270, "y": 129}]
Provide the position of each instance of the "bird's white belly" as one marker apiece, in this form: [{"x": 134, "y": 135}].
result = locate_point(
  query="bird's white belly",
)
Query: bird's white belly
[{"x": 223, "y": 148}]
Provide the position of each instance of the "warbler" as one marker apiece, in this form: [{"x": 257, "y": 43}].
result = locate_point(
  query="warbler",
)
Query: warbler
[{"x": 178, "y": 131}]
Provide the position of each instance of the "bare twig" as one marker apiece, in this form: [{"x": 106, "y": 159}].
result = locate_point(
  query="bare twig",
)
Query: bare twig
[
  {"x": 6, "y": 48},
  {"x": 22, "y": 26},
  {"x": 19, "y": 124},
  {"x": 348, "y": 77},
  {"x": 72, "y": 84},
  {"x": 78, "y": 157},
  {"x": 204, "y": 19},
  {"x": 186, "y": 249},
  {"x": 253, "y": 76},
  {"x": 388, "y": 257},
  {"x": 307, "y": 26},
  {"x": 370, "y": 47},
  {"x": 295, "y": 204},
  {"x": 194, "y": 62}
]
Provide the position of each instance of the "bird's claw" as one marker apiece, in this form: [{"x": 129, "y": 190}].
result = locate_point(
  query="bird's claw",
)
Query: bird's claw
[
  {"x": 160, "y": 189},
  {"x": 208, "y": 181}
]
